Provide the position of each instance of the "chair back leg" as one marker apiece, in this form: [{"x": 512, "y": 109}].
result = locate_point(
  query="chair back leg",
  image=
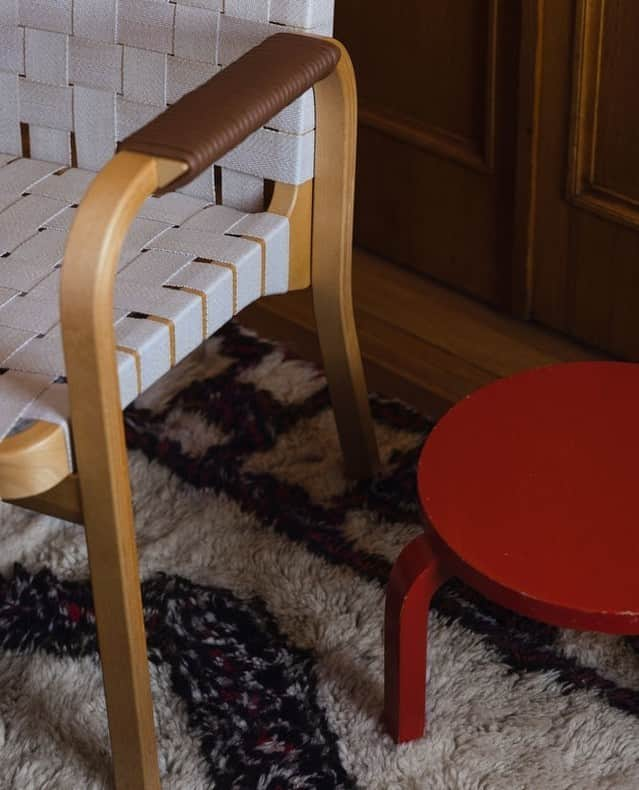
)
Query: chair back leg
[{"x": 332, "y": 248}]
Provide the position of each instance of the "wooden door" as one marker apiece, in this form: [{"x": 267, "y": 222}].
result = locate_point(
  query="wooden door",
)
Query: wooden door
[
  {"x": 585, "y": 264},
  {"x": 437, "y": 145},
  {"x": 499, "y": 153}
]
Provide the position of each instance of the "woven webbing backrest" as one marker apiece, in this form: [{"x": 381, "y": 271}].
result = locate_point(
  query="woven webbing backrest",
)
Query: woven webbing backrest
[{"x": 77, "y": 76}]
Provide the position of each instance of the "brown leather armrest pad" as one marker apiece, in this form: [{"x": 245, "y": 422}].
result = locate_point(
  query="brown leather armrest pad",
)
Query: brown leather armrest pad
[{"x": 211, "y": 120}]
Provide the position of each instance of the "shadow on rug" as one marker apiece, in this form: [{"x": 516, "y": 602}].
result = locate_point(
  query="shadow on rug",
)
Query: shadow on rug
[{"x": 263, "y": 588}]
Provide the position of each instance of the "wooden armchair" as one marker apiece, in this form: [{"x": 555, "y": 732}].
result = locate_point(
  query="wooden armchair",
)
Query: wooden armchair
[{"x": 89, "y": 321}]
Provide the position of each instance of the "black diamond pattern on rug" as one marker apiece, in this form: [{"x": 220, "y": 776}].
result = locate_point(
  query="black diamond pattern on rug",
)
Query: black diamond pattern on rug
[{"x": 249, "y": 693}]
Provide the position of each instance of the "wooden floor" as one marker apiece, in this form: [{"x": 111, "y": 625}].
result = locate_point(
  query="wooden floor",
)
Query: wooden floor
[{"x": 420, "y": 342}]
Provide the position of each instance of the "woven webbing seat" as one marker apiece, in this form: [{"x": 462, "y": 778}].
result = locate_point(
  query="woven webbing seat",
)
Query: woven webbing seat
[
  {"x": 186, "y": 268},
  {"x": 163, "y": 164},
  {"x": 76, "y": 78}
]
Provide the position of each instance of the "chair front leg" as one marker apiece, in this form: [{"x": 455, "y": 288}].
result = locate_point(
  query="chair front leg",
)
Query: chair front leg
[
  {"x": 88, "y": 275},
  {"x": 332, "y": 247},
  {"x": 118, "y": 610}
]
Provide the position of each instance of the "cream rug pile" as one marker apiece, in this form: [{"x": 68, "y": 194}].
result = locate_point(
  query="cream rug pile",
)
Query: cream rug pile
[{"x": 264, "y": 577}]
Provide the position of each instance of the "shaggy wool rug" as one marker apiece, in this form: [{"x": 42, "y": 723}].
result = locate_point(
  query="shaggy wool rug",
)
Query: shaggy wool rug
[{"x": 264, "y": 575}]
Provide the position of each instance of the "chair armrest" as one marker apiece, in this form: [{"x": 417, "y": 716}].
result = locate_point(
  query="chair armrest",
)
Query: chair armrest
[{"x": 211, "y": 120}]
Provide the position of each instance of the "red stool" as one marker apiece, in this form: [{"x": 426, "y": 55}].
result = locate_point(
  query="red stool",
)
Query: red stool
[{"x": 530, "y": 488}]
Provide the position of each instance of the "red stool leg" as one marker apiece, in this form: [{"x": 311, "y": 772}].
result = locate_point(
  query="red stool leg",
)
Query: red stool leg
[{"x": 415, "y": 577}]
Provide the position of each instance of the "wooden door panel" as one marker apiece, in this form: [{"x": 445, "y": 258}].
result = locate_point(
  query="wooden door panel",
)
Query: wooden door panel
[
  {"x": 615, "y": 166},
  {"x": 604, "y": 150},
  {"x": 424, "y": 65},
  {"x": 587, "y": 209},
  {"x": 437, "y": 87},
  {"x": 415, "y": 208}
]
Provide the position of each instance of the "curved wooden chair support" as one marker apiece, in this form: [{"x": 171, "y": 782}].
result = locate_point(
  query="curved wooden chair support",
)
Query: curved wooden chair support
[
  {"x": 62, "y": 501},
  {"x": 296, "y": 203},
  {"x": 332, "y": 251},
  {"x": 88, "y": 277},
  {"x": 34, "y": 466},
  {"x": 33, "y": 460}
]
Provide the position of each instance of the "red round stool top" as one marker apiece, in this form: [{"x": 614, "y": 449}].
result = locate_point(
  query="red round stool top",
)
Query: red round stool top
[{"x": 531, "y": 486}]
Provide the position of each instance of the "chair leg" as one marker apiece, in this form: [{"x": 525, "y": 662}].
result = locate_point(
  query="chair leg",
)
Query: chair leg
[
  {"x": 415, "y": 577},
  {"x": 88, "y": 276},
  {"x": 122, "y": 641},
  {"x": 332, "y": 245},
  {"x": 345, "y": 375}
]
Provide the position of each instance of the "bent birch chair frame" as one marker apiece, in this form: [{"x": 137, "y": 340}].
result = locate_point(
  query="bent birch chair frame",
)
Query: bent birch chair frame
[{"x": 34, "y": 466}]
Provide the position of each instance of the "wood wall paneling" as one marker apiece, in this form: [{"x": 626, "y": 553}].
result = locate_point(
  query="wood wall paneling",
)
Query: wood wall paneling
[{"x": 437, "y": 86}]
